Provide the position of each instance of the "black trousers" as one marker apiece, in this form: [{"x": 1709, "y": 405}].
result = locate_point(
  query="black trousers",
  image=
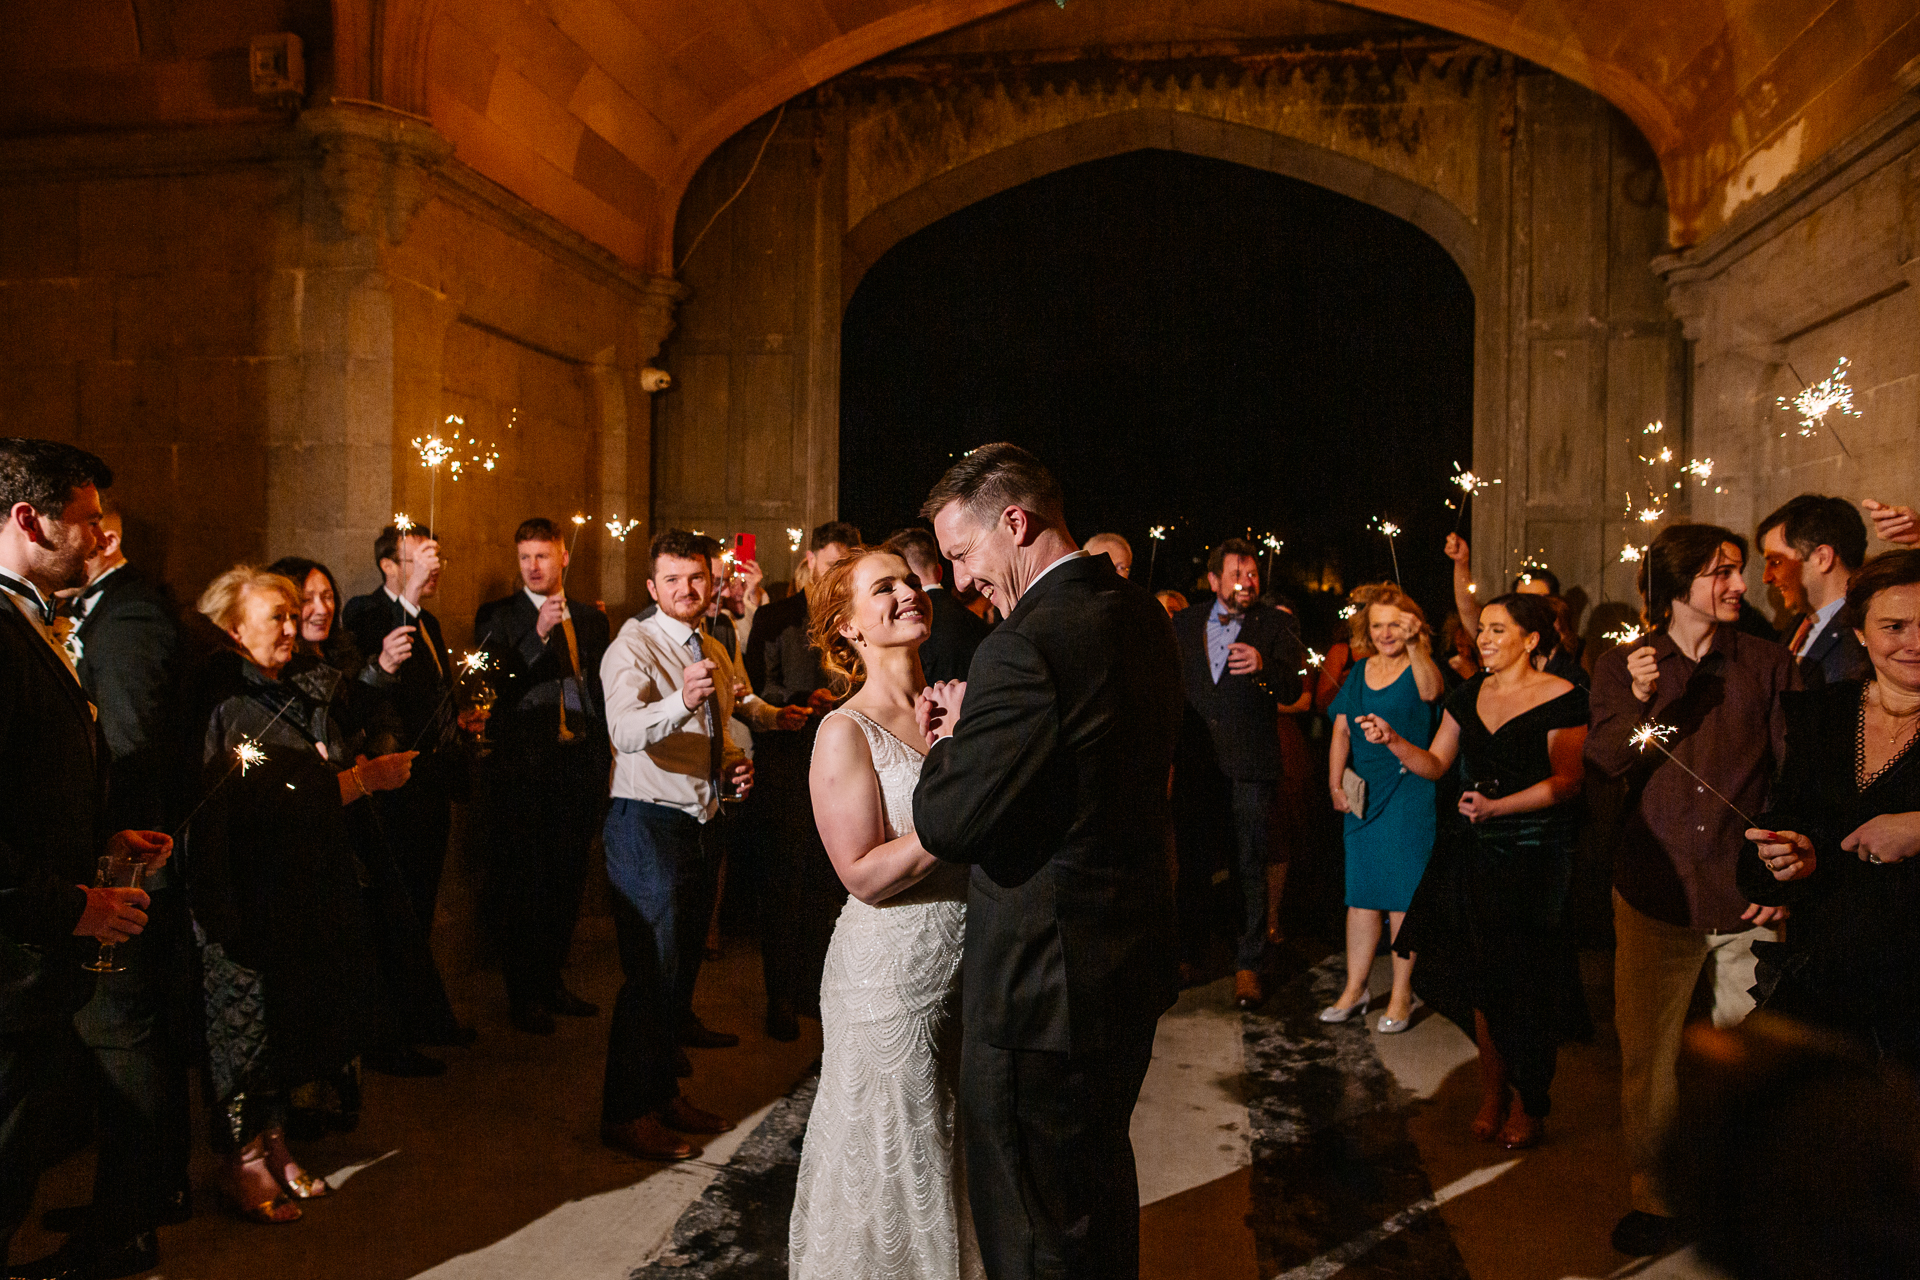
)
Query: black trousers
[
  {"x": 417, "y": 820},
  {"x": 665, "y": 869},
  {"x": 1050, "y": 1172},
  {"x": 137, "y": 1081},
  {"x": 800, "y": 894},
  {"x": 36, "y": 1069},
  {"x": 545, "y": 806}
]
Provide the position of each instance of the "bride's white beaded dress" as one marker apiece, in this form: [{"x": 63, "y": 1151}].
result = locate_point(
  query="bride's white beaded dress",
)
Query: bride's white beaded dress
[{"x": 881, "y": 1194}]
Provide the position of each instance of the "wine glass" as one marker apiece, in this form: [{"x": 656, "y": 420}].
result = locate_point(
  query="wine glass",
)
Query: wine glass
[
  {"x": 480, "y": 697},
  {"x": 116, "y": 872}
]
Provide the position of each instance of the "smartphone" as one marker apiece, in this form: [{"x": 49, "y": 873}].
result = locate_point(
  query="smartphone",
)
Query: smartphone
[{"x": 743, "y": 548}]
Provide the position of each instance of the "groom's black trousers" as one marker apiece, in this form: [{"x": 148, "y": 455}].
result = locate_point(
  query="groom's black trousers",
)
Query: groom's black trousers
[{"x": 1049, "y": 1162}]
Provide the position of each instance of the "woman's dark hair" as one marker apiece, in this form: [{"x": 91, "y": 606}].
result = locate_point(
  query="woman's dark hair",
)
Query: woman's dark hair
[
  {"x": 1680, "y": 554},
  {"x": 1532, "y": 614},
  {"x": 1887, "y": 570},
  {"x": 297, "y": 569}
]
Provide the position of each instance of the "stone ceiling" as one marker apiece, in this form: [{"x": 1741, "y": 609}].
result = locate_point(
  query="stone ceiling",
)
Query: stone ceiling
[{"x": 599, "y": 111}]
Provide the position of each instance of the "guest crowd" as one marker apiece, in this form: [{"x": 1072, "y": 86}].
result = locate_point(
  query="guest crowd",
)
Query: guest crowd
[{"x": 224, "y": 830}]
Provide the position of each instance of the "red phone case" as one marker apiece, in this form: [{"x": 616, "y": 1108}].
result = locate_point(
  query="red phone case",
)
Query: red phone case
[{"x": 743, "y": 547}]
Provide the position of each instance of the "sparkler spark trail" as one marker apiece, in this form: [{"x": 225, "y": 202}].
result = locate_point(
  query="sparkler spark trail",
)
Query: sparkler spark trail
[
  {"x": 1468, "y": 484},
  {"x": 1652, "y": 734},
  {"x": 1272, "y": 544},
  {"x": 247, "y": 754},
  {"x": 1830, "y": 395},
  {"x": 1158, "y": 535},
  {"x": 619, "y": 530},
  {"x": 1622, "y": 635}
]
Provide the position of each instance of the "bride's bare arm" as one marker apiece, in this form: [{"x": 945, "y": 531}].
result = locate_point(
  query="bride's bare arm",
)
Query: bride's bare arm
[{"x": 851, "y": 815}]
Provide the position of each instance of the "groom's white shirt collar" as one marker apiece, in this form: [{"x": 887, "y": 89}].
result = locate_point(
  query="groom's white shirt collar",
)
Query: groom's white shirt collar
[{"x": 1071, "y": 555}]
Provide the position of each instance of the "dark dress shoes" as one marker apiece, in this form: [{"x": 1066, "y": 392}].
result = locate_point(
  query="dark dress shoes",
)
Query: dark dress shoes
[
  {"x": 408, "y": 1063},
  {"x": 532, "y": 1019},
  {"x": 782, "y": 1023},
  {"x": 698, "y": 1035},
  {"x": 566, "y": 1003},
  {"x": 90, "y": 1260},
  {"x": 1641, "y": 1235},
  {"x": 648, "y": 1139}
]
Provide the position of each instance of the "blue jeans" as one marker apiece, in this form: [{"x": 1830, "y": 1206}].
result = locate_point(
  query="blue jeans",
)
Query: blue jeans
[{"x": 665, "y": 868}]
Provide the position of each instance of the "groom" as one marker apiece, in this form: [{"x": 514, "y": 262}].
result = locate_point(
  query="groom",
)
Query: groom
[{"x": 1052, "y": 783}]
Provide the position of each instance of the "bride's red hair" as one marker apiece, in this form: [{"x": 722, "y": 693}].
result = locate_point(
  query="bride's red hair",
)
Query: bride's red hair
[{"x": 829, "y": 605}]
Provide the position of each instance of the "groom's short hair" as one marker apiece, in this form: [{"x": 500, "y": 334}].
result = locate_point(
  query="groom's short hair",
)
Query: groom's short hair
[{"x": 995, "y": 477}]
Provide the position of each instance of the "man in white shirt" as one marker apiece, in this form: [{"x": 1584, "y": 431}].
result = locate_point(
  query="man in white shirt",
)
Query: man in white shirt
[
  {"x": 669, "y": 694},
  {"x": 1813, "y": 546}
]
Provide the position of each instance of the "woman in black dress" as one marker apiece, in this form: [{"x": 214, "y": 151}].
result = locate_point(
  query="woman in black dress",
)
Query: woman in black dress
[
  {"x": 290, "y": 985},
  {"x": 1487, "y": 918},
  {"x": 1838, "y": 843}
]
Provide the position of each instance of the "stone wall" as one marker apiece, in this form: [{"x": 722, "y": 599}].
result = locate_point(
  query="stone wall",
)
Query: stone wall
[
  {"x": 1822, "y": 269},
  {"x": 251, "y": 325}
]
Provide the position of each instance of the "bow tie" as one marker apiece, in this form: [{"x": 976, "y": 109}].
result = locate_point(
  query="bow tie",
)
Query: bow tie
[{"x": 30, "y": 593}]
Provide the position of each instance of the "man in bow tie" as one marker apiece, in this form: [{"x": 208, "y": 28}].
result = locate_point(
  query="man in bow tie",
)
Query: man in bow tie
[{"x": 53, "y": 831}]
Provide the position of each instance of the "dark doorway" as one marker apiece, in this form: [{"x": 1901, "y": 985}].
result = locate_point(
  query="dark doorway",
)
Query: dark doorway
[{"x": 1187, "y": 342}]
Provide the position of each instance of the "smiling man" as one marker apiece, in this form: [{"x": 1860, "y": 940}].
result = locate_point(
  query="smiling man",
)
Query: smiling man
[
  {"x": 1813, "y": 546},
  {"x": 670, "y": 689},
  {"x": 1677, "y": 910}
]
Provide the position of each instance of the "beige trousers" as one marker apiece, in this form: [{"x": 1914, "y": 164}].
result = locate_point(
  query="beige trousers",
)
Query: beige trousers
[{"x": 1656, "y": 967}]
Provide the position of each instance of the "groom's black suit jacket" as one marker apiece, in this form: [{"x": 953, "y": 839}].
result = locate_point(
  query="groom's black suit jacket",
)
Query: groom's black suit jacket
[{"x": 1054, "y": 786}]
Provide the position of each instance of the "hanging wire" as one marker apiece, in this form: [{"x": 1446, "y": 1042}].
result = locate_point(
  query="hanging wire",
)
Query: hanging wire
[{"x": 751, "y": 170}]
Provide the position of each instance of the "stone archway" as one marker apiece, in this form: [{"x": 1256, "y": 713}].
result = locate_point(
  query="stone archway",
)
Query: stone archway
[
  {"x": 1167, "y": 129},
  {"x": 1546, "y": 197}
]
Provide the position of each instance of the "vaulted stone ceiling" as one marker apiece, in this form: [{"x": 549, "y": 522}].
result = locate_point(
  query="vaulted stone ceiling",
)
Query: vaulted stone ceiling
[{"x": 599, "y": 111}]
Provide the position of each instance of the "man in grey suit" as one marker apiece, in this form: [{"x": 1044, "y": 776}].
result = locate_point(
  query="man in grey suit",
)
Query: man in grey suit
[{"x": 1048, "y": 773}]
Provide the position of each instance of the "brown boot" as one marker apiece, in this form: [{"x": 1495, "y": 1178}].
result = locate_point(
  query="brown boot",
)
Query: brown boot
[
  {"x": 687, "y": 1118},
  {"x": 648, "y": 1139}
]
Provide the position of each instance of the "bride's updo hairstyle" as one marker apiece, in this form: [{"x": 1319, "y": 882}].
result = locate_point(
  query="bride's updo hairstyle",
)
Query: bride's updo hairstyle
[{"x": 829, "y": 605}]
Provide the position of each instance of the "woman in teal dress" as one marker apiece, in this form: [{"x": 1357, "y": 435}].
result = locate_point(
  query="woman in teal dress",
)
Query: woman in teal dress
[
  {"x": 1388, "y": 842},
  {"x": 1487, "y": 921}
]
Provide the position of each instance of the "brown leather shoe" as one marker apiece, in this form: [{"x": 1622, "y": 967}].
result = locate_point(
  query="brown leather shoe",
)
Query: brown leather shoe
[
  {"x": 1247, "y": 992},
  {"x": 687, "y": 1118},
  {"x": 648, "y": 1139}
]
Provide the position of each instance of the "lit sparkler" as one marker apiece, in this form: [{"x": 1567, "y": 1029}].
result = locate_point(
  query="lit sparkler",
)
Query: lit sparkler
[
  {"x": 1390, "y": 531},
  {"x": 1468, "y": 484},
  {"x": 1830, "y": 395},
  {"x": 1273, "y": 545},
  {"x": 473, "y": 662},
  {"x": 1631, "y": 554},
  {"x": 1347, "y": 611},
  {"x": 619, "y": 530},
  {"x": 248, "y": 754},
  {"x": 1652, "y": 734},
  {"x": 793, "y": 540},
  {"x": 1157, "y": 535},
  {"x": 1623, "y": 635}
]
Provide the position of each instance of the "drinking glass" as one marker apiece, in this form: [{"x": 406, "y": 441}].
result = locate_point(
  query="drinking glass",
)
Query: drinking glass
[{"x": 116, "y": 872}]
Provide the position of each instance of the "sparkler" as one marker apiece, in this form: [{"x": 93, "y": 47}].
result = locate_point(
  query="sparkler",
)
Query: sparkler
[
  {"x": 619, "y": 530},
  {"x": 1314, "y": 659},
  {"x": 433, "y": 453},
  {"x": 1651, "y": 734},
  {"x": 1623, "y": 635},
  {"x": 246, "y": 753},
  {"x": 793, "y": 540},
  {"x": 1158, "y": 535},
  {"x": 438, "y": 451},
  {"x": 471, "y": 663},
  {"x": 1469, "y": 484},
  {"x": 1391, "y": 531},
  {"x": 1829, "y": 395},
  {"x": 1272, "y": 544},
  {"x": 1348, "y": 611}
]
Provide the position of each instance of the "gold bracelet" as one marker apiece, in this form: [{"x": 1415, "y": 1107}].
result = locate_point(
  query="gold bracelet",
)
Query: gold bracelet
[{"x": 354, "y": 773}]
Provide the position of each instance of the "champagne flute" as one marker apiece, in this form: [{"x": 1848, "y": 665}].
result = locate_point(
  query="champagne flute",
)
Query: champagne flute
[
  {"x": 115, "y": 873},
  {"x": 480, "y": 697}
]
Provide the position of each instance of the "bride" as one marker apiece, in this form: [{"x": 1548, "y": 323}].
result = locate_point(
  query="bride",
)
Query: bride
[{"x": 881, "y": 1191}]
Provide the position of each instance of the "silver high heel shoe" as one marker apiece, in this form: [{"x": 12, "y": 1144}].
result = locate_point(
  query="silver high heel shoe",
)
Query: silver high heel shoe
[
  {"x": 1334, "y": 1013},
  {"x": 1394, "y": 1026}
]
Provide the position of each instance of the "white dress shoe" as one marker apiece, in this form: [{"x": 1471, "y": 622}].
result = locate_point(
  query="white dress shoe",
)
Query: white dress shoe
[{"x": 1334, "y": 1013}]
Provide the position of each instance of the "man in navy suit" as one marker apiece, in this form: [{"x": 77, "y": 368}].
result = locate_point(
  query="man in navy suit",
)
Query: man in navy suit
[
  {"x": 1813, "y": 546},
  {"x": 1240, "y": 661},
  {"x": 547, "y": 774}
]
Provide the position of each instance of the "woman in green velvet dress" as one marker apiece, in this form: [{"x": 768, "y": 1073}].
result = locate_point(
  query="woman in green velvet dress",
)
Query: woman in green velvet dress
[{"x": 1487, "y": 918}]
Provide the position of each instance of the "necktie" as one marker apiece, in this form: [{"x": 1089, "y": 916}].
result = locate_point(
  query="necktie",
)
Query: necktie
[
  {"x": 573, "y": 666},
  {"x": 1800, "y": 635},
  {"x": 715, "y": 747}
]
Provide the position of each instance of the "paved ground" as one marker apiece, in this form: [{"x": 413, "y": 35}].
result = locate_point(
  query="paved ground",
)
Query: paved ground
[{"x": 1270, "y": 1145}]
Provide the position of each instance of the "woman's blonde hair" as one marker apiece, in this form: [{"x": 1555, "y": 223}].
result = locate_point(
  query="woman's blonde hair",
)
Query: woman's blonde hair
[
  {"x": 829, "y": 605},
  {"x": 1363, "y": 599},
  {"x": 221, "y": 601}
]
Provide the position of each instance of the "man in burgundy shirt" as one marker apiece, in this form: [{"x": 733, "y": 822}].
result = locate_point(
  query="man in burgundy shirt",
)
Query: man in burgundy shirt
[{"x": 1676, "y": 908}]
